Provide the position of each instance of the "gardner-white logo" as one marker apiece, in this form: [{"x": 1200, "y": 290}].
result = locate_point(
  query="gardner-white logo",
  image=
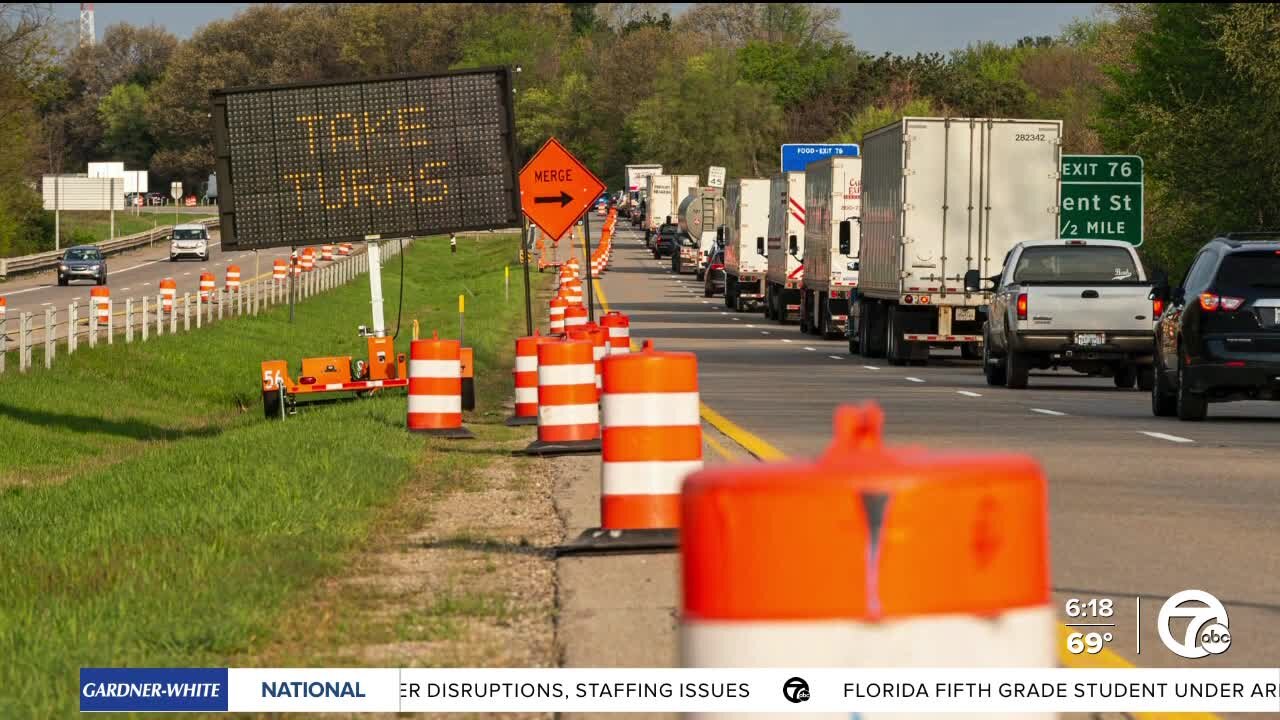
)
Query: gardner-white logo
[{"x": 1206, "y": 625}]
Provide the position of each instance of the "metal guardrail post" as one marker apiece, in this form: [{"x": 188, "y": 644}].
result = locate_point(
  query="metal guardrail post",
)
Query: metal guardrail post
[
  {"x": 111, "y": 320},
  {"x": 221, "y": 298},
  {"x": 173, "y": 320},
  {"x": 50, "y": 337},
  {"x": 159, "y": 316},
  {"x": 93, "y": 326},
  {"x": 199, "y": 314},
  {"x": 144, "y": 317},
  {"x": 72, "y": 335},
  {"x": 128, "y": 320},
  {"x": 186, "y": 312},
  {"x": 4, "y": 341},
  {"x": 22, "y": 342}
]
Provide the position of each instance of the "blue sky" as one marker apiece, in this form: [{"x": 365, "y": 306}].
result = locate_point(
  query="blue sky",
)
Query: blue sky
[{"x": 874, "y": 27}]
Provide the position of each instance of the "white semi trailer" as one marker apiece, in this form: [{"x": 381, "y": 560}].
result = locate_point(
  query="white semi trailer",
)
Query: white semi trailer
[
  {"x": 746, "y": 225},
  {"x": 785, "y": 247},
  {"x": 941, "y": 197},
  {"x": 833, "y": 204}
]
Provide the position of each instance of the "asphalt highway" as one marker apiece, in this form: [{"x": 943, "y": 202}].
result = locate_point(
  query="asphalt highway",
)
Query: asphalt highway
[{"x": 1140, "y": 507}]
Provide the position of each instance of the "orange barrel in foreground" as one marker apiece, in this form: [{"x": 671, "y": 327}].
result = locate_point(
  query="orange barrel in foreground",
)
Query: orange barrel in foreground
[
  {"x": 568, "y": 413},
  {"x": 467, "y": 357},
  {"x": 558, "y": 306},
  {"x": 619, "y": 327},
  {"x": 233, "y": 278},
  {"x": 207, "y": 285},
  {"x": 100, "y": 298},
  {"x": 168, "y": 292},
  {"x": 279, "y": 269},
  {"x": 575, "y": 316},
  {"x": 435, "y": 387},
  {"x": 526, "y": 380},
  {"x": 651, "y": 437},
  {"x": 867, "y": 557}
]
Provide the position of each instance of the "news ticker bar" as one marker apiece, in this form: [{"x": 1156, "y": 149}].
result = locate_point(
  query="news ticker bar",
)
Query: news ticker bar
[{"x": 785, "y": 690}]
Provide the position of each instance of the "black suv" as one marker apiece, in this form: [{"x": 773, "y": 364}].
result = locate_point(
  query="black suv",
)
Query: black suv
[
  {"x": 666, "y": 241},
  {"x": 1218, "y": 337}
]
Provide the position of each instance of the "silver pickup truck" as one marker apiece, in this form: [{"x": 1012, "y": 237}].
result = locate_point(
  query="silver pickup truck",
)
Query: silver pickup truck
[{"x": 1082, "y": 304}]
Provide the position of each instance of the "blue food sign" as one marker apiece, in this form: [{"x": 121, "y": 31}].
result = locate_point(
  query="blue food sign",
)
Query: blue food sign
[{"x": 796, "y": 156}]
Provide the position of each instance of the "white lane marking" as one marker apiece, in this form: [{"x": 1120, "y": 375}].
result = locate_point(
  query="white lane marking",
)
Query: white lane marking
[
  {"x": 737, "y": 318},
  {"x": 753, "y": 327},
  {"x": 706, "y": 302},
  {"x": 46, "y": 303},
  {"x": 871, "y": 367},
  {"x": 915, "y": 379},
  {"x": 1170, "y": 438},
  {"x": 125, "y": 289},
  {"x": 19, "y": 292},
  {"x": 1043, "y": 411},
  {"x": 146, "y": 284},
  {"x": 835, "y": 357},
  {"x": 185, "y": 274},
  {"x": 764, "y": 332},
  {"x": 966, "y": 393},
  {"x": 811, "y": 349},
  {"x": 724, "y": 313},
  {"x": 785, "y": 340}
]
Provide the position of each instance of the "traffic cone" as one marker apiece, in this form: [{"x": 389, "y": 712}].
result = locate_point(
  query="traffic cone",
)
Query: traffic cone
[
  {"x": 568, "y": 414},
  {"x": 868, "y": 557},
  {"x": 651, "y": 440}
]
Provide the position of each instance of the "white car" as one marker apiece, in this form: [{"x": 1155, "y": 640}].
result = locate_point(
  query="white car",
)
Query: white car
[{"x": 189, "y": 241}]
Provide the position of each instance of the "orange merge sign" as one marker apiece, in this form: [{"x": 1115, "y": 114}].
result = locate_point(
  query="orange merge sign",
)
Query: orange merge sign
[{"x": 555, "y": 189}]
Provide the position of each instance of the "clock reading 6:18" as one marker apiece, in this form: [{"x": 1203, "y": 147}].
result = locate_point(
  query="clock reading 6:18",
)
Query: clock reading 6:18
[{"x": 1092, "y": 608}]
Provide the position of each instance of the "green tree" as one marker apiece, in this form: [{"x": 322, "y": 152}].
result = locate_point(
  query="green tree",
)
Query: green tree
[
  {"x": 126, "y": 135},
  {"x": 875, "y": 117}
]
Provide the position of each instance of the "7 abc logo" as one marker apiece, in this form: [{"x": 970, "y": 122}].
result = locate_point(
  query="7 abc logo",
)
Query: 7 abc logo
[{"x": 1207, "y": 624}]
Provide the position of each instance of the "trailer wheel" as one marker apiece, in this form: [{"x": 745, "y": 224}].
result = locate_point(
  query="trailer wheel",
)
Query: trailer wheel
[
  {"x": 893, "y": 339},
  {"x": 273, "y": 404},
  {"x": 969, "y": 352}
]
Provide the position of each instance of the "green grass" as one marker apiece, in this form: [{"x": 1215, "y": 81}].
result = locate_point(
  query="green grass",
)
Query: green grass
[
  {"x": 83, "y": 228},
  {"x": 150, "y": 516}
]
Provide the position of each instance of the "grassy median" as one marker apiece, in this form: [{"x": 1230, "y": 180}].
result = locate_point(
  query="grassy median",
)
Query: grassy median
[{"x": 150, "y": 516}]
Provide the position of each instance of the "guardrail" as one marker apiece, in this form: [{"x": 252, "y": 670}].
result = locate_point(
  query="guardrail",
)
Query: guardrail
[
  {"x": 48, "y": 260},
  {"x": 143, "y": 318}
]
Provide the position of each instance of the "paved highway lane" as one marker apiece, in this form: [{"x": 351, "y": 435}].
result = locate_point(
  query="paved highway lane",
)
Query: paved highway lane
[{"x": 1140, "y": 506}]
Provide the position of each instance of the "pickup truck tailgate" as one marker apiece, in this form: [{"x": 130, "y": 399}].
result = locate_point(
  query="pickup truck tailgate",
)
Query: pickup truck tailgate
[{"x": 1116, "y": 307}]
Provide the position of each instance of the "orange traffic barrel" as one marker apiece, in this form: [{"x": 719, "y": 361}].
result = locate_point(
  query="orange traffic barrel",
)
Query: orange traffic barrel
[
  {"x": 326, "y": 252},
  {"x": 466, "y": 357},
  {"x": 865, "y": 557},
  {"x": 599, "y": 339},
  {"x": 435, "y": 387},
  {"x": 573, "y": 292},
  {"x": 279, "y": 269},
  {"x": 233, "y": 278},
  {"x": 345, "y": 249},
  {"x": 100, "y": 299},
  {"x": 297, "y": 267},
  {"x": 207, "y": 285},
  {"x": 575, "y": 315},
  {"x": 168, "y": 292},
  {"x": 652, "y": 437},
  {"x": 558, "y": 306},
  {"x": 619, "y": 327},
  {"x": 3, "y": 308},
  {"x": 308, "y": 259},
  {"x": 526, "y": 380},
  {"x": 568, "y": 413}
]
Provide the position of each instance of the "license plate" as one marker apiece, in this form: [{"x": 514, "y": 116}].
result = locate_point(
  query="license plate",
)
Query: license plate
[
  {"x": 1090, "y": 339},
  {"x": 966, "y": 313}
]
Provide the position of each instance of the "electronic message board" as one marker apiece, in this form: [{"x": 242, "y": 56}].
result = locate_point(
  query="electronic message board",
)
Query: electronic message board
[{"x": 347, "y": 161}]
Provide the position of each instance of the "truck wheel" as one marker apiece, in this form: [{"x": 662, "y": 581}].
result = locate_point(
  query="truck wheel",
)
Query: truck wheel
[
  {"x": 994, "y": 373},
  {"x": 870, "y": 333},
  {"x": 1191, "y": 406},
  {"x": 1146, "y": 377},
  {"x": 273, "y": 404},
  {"x": 768, "y": 302},
  {"x": 1125, "y": 377},
  {"x": 1164, "y": 402},
  {"x": 821, "y": 325},
  {"x": 728, "y": 291},
  {"x": 1017, "y": 368},
  {"x": 893, "y": 340},
  {"x": 969, "y": 352},
  {"x": 804, "y": 312}
]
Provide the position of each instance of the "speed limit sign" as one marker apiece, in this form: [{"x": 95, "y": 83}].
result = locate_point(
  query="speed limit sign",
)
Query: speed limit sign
[{"x": 175, "y": 190}]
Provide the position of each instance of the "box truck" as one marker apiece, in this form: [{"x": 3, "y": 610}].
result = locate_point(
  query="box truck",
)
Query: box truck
[
  {"x": 635, "y": 177},
  {"x": 665, "y": 192},
  {"x": 701, "y": 213},
  {"x": 785, "y": 247},
  {"x": 746, "y": 202},
  {"x": 941, "y": 197},
  {"x": 833, "y": 203}
]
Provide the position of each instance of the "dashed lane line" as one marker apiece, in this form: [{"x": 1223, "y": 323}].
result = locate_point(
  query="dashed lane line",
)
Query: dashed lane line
[
  {"x": 915, "y": 379},
  {"x": 1163, "y": 436},
  {"x": 1044, "y": 411},
  {"x": 966, "y": 393}
]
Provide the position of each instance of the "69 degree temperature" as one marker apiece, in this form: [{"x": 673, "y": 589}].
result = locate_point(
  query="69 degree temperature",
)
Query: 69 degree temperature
[{"x": 1092, "y": 643}]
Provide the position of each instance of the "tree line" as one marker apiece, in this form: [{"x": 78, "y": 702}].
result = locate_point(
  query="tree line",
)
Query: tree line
[{"x": 1191, "y": 87}]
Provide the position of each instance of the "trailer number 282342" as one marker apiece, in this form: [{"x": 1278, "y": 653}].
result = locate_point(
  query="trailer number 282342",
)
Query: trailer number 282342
[{"x": 1030, "y": 137}]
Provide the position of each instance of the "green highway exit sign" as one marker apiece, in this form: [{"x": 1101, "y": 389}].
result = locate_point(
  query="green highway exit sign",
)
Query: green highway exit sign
[{"x": 1100, "y": 198}]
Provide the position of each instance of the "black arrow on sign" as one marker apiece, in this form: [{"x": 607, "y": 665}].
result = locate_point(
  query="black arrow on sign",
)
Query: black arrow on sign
[{"x": 564, "y": 199}]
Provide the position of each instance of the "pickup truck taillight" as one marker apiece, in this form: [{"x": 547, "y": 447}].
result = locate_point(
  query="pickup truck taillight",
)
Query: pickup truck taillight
[
  {"x": 1210, "y": 302},
  {"x": 1022, "y": 306},
  {"x": 717, "y": 266},
  {"x": 1157, "y": 308}
]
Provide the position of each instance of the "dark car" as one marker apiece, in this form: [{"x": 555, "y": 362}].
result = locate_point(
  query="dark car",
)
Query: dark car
[
  {"x": 666, "y": 241},
  {"x": 82, "y": 262},
  {"x": 713, "y": 281},
  {"x": 1218, "y": 337}
]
